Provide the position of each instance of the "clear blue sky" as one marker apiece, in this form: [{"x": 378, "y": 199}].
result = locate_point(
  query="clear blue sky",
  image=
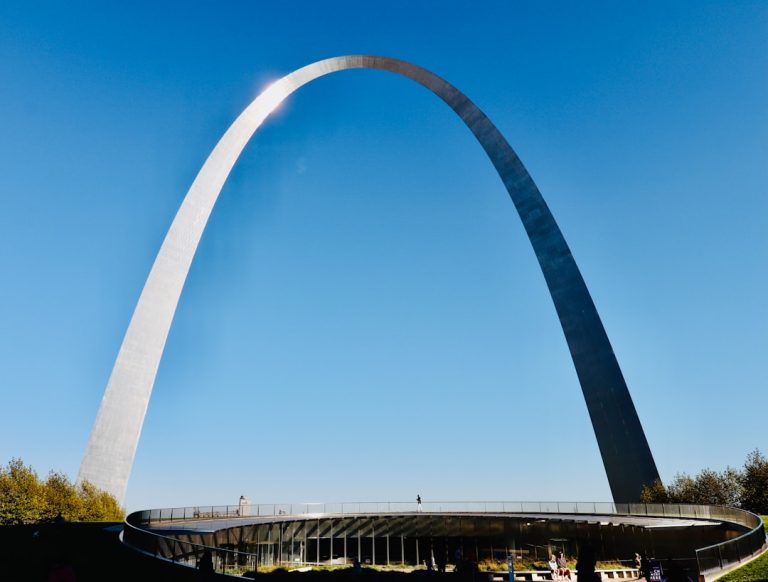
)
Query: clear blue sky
[{"x": 365, "y": 318}]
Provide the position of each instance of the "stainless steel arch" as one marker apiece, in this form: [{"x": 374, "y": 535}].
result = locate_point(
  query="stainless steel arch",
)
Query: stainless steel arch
[{"x": 112, "y": 444}]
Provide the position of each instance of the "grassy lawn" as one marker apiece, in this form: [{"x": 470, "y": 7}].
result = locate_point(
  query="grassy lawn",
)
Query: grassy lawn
[{"x": 756, "y": 571}]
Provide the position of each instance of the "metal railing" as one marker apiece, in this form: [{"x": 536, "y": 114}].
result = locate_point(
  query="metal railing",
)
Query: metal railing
[
  {"x": 209, "y": 512},
  {"x": 710, "y": 559},
  {"x": 223, "y": 561},
  {"x": 718, "y": 557}
]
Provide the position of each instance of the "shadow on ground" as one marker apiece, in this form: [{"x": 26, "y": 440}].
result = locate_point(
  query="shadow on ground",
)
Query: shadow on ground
[{"x": 91, "y": 552}]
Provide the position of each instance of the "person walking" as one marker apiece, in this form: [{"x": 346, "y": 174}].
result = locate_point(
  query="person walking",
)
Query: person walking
[{"x": 418, "y": 503}]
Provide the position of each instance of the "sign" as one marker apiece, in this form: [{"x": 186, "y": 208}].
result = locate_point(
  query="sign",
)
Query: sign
[{"x": 655, "y": 571}]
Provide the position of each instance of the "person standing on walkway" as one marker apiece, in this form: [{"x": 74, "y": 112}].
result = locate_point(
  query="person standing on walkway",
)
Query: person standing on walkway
[{"x": 418, "y": 503}]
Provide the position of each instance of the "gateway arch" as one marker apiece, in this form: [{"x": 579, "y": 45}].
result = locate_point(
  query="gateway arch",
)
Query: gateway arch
[{"x": 112, "y": 444}]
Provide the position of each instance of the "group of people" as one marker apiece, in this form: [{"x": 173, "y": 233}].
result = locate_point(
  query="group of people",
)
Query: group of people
[{"x": 558, "y": 567}]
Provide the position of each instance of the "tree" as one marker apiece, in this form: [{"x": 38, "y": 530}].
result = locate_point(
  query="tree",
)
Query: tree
[
  {"x": 655, "y": 493},
  {"x": 747, "y": 489},
  {"x": 682, "y": 489},
  {"x": 98, "y": 505},
  {"x": 732, "y": 487},
  {"x": 25, "y": 499},
  {"x": 713, "y": 488},
  {"x": 754, "y": 483},
  {"x": 20, "y": 494},
  {"x": 60, "y": 497},
  {"x": 707, "y": 488}
]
